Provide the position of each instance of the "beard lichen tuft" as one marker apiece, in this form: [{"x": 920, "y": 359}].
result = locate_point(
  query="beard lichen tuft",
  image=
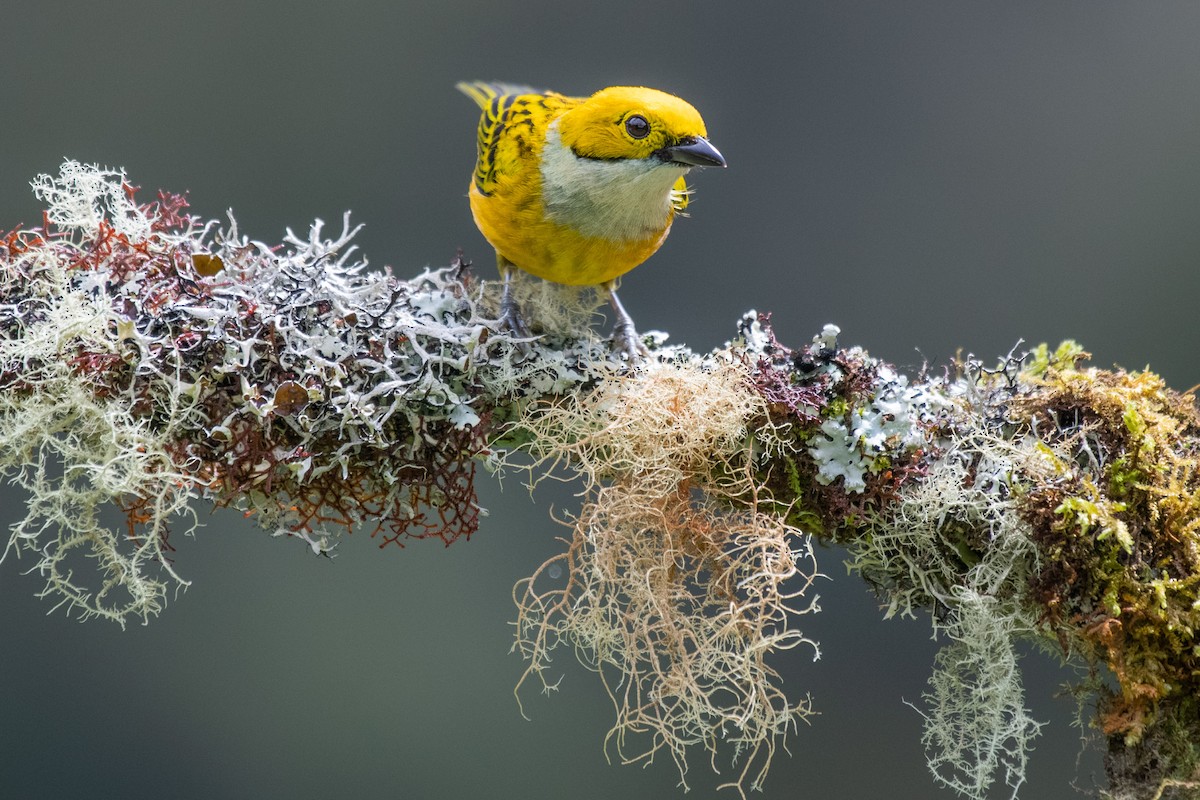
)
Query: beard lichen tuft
[{"x": 678, "y": 587}]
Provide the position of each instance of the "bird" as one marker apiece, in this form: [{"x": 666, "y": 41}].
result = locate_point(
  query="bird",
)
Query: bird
[{"x": 580, "y": 190}]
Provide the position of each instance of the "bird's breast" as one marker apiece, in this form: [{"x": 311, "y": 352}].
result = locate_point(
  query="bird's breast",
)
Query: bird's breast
[{"x": 617, "y": 200}]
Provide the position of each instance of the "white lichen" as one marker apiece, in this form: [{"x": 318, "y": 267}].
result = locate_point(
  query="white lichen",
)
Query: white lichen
[{"x": 149, "y": 358}]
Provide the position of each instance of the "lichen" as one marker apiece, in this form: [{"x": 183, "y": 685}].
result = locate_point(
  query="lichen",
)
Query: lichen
[
  {"x": 147, "y": 358},
  {"x": 678, "y": 589},
  {"x": 955, "y": 544}
]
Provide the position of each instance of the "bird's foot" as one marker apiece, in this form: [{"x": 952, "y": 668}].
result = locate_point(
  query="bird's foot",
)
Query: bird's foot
[
  {"x": 625, "y": 340},
  {"x": 512, "y": 321}
]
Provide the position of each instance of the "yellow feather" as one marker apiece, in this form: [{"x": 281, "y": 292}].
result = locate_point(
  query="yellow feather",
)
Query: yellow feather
[{"x": 681, "y": 195}]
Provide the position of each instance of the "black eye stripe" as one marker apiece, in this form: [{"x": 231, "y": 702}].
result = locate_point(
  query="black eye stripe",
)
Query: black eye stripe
[{"x": 637, "y": 126}]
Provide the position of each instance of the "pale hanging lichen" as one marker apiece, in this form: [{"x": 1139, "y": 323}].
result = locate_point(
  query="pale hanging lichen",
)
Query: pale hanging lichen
[
  {"x": 77, "y": 444},
  {"x": 955, "y": 542},
  {"x": 977, "y": 727}
]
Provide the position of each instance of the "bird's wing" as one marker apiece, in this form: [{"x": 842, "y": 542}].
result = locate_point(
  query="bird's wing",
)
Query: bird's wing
[{"x": 513, "y": 119}]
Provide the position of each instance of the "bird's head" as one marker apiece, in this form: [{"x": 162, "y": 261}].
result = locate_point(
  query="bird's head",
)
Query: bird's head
[{"x": 633, "y": 122}]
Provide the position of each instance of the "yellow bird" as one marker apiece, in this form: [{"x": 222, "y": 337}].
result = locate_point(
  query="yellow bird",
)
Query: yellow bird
[{"x": 580, "y": 190}]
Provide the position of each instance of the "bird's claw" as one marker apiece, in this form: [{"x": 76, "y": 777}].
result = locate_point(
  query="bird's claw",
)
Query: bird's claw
[
  {"x": 511, "y": 321},
  {"x": 626, "y": 340}
]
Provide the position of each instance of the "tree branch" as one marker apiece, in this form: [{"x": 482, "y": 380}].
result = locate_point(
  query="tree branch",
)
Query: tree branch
[{"x": 150, "y": 360}]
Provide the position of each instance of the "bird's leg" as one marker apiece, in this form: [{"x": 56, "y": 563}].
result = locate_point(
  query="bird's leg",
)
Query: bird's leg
[
  {"x": 625, "y": 337},
  {"x": 510, "y": 312}
]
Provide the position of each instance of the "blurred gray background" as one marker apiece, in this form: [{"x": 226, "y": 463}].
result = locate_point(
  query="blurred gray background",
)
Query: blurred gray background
[{"x": 929, "y": 176}]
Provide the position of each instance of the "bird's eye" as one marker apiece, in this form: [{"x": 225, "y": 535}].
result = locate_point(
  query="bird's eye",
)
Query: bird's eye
[{"x": 637, "y": 127}]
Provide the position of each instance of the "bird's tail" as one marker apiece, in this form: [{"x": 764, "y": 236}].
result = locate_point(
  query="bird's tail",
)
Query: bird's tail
[{"x": 484, "y": 92}]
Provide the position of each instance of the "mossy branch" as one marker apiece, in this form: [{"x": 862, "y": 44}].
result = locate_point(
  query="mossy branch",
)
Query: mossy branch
[{"x": 149, "y": 360}]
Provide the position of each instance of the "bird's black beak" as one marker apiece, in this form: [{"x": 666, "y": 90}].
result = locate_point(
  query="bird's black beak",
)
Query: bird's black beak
[{"x": 694, "y": 151}]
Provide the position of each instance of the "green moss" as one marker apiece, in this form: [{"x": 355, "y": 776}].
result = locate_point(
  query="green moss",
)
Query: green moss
[
  {"x": 1119, "y": 531},
  {"x": 1099, "y": 515},
  {"x": 837, "y": 408},
  {"x": 1064, "y": 357}
]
